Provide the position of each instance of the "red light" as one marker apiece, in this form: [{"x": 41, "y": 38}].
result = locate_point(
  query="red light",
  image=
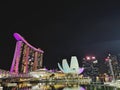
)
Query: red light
[
  {"x": 93, "y": 57},
  {"x": 107, "y": 59},
  {"x": 88, "y": 58}
]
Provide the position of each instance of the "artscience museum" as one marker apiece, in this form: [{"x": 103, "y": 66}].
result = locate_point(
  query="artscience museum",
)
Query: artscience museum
[{"x": 72, "y": 68}]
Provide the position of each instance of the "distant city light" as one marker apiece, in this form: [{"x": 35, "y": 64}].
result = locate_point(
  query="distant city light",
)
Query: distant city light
[
  {"x": 106, "y": 59},
  {"x": 93, "y": 57},
  {"x": 87, "y": 57},
  {"x": 90, "y": 57}
]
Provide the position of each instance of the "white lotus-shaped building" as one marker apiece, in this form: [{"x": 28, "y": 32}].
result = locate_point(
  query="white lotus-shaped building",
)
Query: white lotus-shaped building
[{"x": 73, "y": 68}]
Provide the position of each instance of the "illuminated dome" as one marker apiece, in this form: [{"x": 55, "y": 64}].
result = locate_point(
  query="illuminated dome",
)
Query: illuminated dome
[{"x": 73, "y": 68}]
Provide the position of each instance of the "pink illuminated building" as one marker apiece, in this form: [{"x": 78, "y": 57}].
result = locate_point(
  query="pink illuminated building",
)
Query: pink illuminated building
[{"x": 26, "y": 57}]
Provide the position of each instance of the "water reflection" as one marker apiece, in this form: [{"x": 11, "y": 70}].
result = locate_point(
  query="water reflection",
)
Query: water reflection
[
  {"x": 46, "y": 86},
  {"x": 60, "y": 86},
  {"x": 74, "y": 88}
]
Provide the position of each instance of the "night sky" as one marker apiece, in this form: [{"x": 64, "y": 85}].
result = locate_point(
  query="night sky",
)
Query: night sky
[{"x": 60, "y": 28}]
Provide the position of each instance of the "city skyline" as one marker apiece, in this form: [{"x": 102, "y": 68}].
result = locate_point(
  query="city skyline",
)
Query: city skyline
[{"x": 61, "y": 29}]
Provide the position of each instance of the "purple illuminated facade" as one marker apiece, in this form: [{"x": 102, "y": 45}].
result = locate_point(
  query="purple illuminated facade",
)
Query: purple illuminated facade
[{"x": 26, "y": 57}]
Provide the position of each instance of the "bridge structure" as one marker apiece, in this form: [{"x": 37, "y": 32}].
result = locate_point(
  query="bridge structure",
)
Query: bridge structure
[{"x": 26, "y": 57}]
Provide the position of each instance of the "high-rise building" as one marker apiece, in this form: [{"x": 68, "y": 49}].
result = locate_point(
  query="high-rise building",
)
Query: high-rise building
[{"x": 26, "y": 57}]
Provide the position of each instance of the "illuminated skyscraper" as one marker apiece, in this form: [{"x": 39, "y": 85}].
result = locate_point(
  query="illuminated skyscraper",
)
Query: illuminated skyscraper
[{"x": 26, "y": 57}]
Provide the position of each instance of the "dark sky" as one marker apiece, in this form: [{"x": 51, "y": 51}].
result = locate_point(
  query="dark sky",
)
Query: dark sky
[{"x": 60, "y": 28}]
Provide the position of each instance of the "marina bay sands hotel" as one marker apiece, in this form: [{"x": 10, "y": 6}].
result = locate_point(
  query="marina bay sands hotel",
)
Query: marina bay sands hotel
[{"x": 26, "y": 57}]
